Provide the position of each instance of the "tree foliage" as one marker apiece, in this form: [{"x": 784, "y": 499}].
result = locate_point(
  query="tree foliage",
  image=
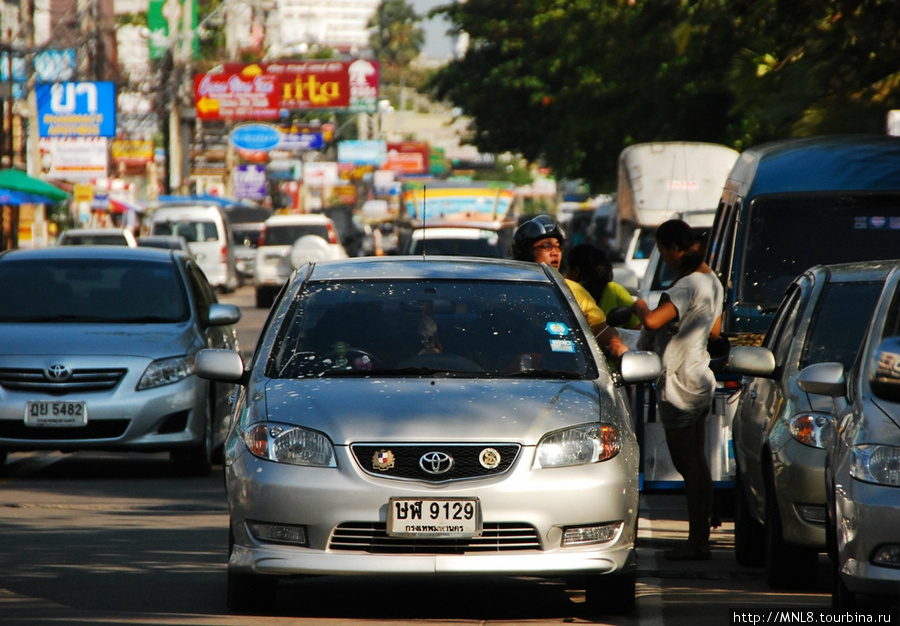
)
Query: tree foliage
[
  {"x": 571, "y": 82},
  {"x": 396, "y": 38}
]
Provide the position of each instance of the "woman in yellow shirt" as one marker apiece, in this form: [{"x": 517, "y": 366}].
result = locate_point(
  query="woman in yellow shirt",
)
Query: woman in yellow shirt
[{"x": 590, "y": 267}]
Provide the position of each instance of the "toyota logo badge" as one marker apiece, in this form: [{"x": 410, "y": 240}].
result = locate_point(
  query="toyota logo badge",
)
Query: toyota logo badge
[
  {"x": 57, "y": 373},
  {"x": 436, "y": 462}
]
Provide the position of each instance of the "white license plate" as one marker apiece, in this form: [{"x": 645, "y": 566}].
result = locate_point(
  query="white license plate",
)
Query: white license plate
[
  {"x": 55, "y": 413},
  {"x": 434, "y": 517}
]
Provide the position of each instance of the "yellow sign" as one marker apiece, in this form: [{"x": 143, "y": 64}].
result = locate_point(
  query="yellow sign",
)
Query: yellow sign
[{"x": 83, "y": 193}]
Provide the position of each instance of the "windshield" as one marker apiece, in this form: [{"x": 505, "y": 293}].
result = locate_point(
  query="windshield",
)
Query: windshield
[
  {"x": 487, "y": 245},
  {"x": 839, "y": 321},
  {"x": 788, "y": 234},
  {"x": 464, "y": 328},
  {"x": 91, "y": 291}
]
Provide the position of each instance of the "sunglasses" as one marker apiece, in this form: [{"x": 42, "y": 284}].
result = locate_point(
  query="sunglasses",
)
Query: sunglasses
[{"x": 547, "y": 246}]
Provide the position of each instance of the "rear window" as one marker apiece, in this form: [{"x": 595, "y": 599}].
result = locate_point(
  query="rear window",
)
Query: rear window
[
  {"x": 839, "y": 321},
  {"x": 488, "y": 246},
  {"x": 466, "y": 328},
  {"x": 287, "y": 235},
  {"x": 786, "y": 235},
  {"x": 193, "y": 231}
]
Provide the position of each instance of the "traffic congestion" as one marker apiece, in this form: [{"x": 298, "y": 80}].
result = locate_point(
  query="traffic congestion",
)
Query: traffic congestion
[{"x": 302, "y": 322}]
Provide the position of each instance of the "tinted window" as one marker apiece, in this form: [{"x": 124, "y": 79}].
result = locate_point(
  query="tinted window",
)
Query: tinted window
[
  {"x": 192, "y": 231},
  {"x": 459, "y": 247},
  {"x": 787, "y": 235},
  {"x": 472, "y": 328},
  {"x": 287, "y": 235},
  {"x": 839, "y": 321},
  {"x": 91, "y": 290}
]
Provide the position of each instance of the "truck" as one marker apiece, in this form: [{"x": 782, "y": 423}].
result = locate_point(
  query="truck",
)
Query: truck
[{"x": 658, "y": 179}]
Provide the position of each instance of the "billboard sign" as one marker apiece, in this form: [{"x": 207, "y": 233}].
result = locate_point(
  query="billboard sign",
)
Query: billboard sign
[
  {"x": 268, "y": 91},
  {"x": 76, "y": 109}
]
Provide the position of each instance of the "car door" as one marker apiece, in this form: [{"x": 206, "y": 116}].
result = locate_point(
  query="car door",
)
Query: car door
[{"x": 761, "y": 398}]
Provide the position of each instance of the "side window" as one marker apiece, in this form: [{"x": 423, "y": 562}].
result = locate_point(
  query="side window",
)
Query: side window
[
  {"x": 202, "y": 292},
  {"x": 781, "y": 332}
]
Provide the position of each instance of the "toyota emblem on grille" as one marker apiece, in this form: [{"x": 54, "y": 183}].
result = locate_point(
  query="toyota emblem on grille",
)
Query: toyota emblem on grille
[
  {"x": 436, "y": 462},
  {"x": 57, "y": 373}
]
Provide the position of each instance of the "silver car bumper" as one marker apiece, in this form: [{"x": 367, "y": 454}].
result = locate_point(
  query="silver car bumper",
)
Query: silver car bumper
[
  {"x": 868, "y": 518},
  {"x": 548, "y": 500}
]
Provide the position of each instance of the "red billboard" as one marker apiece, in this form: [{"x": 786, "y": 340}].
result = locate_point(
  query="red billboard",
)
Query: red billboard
[{"x": 266, "y": 91}]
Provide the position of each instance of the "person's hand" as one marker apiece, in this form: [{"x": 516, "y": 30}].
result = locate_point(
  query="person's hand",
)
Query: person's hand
[{"x": 617, "y": 348}]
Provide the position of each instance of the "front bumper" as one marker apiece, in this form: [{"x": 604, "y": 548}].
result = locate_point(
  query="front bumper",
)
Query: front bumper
[{"x": 322, "y": 500}]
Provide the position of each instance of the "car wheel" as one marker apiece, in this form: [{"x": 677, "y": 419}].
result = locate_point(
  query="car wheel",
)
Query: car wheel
[
  {"x": 249, "y": 593},
  {"x": 197, "y": 460},
  {"x": 788, "y": 566},
  {"x": 749, "y": 535},
  {"x": 610, "y": 594}
]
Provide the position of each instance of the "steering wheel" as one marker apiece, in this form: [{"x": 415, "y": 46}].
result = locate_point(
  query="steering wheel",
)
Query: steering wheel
[{"x": 357, "y": 359}]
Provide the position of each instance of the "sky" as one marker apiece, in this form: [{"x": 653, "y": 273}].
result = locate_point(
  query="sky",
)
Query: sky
[{"x": 437, "y": 43}]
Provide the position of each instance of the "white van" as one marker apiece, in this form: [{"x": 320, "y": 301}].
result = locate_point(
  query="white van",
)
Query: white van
[{"x": 208, "y": 234}]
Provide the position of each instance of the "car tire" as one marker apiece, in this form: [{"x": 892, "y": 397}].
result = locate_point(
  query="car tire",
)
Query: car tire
[
  {"x": 249, "y": 593},
  {"x": 197, "y": 460},
  {"x": 788, "y": 566},
  {"x": 749, "y": 535},
  {"x": 611, "y": 594}
]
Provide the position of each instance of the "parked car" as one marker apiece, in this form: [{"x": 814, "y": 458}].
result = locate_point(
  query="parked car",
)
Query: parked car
[
  {"x": 97, "y": 349},
  {"x": 405, "y": 416},
  {"x": 166, "y": 242},
  {"x": 778, "y": 431},
  {"x": 862, "y": 463},
  {"x": 246, "y": 226},
  {"x": 477, "y": 238},
  {"x": 208, "y": 234},
  {"x": 288, "y": 241},
  {"x": 96, "y": 237}
]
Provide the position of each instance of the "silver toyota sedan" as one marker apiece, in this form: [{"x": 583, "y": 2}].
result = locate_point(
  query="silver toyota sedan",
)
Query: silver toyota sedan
[
  {"x": 439, "y": 416},
  {"x": 97, "y": 352}
]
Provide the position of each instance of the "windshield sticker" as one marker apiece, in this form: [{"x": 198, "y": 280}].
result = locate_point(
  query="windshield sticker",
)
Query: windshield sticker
[
  {"x": 557, "y": 328},
  {"x": 562, "y": 345}
]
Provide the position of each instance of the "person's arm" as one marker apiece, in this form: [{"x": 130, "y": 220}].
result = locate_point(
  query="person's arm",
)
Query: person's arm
[
  {"x": 654, "y": 319},
  {"x": 716, "y": 329},
  {"x": 608, "y": 338}
]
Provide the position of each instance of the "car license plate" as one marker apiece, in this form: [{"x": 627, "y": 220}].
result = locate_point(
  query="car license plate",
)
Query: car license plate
[
  {"x": 434, "y": 517},
  {"x": 55, "y": 413}
]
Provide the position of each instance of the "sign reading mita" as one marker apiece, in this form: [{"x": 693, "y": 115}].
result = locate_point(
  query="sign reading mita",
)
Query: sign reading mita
[{"x": 266, "y": 91}]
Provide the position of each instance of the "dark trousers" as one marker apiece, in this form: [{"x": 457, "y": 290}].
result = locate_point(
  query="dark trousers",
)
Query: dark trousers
[{"x": 687, "y": 447}]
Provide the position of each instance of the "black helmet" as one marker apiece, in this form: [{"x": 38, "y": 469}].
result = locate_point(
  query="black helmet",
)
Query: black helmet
[{"x": 532, "y": 231}]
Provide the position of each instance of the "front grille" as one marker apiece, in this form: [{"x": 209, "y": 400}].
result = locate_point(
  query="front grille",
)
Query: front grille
[
  {"x": 80, "y": 380},
  {"x": 405, "y": 458},
  {"x": 101, "y": 429},
  {"x": 373, "y": 538}
]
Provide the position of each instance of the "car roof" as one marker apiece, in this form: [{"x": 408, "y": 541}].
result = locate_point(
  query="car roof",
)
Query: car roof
[
  {"x": 115, "y": 253},
  {"x": 429, "y": 268},
  {"x": 451, "y": 232},
  {"x": 824, "y": 163},
  {"x": 856, "y": 271},
  {"x": 92, "y": 231},
  {"x": 297, "y": 218}
]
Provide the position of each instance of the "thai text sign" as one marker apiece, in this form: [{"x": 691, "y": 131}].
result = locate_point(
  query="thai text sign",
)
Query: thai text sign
[
  {"x": 265, "y": 91},
  {"x": 76, "y": 109}
]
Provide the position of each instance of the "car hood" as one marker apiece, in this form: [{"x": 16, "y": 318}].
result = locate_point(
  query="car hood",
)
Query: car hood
[
  {"x": 434, "y": 409},
  {"x": 145, "y": 340}
]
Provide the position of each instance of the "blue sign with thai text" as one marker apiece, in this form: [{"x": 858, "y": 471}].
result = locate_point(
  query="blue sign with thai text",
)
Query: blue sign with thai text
[
  {"x": 76, "y": 109},
  {"x": 256, "y": 137}
]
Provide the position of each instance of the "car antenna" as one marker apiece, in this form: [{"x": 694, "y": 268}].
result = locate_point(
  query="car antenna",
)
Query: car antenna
[{"x": 424, "y": 211}]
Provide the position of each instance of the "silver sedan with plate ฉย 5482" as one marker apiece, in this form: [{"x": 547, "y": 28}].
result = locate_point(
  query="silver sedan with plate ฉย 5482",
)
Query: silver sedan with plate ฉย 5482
[
  {"x": 440, "y": 416},
  {"x": 98, "y": 348}
]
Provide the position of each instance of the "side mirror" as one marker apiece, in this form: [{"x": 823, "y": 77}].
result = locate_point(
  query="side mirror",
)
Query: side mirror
[
  {"x": 824, "y": 379},
  {"x": 750, "y": 361},
  {"x": 885, "y": 378},
  {"x": 639, "y": 366},
  {"x": 223, "y": 314},
  {"x": 619, "y": 315},
  {"x": 221, "y": 365}
]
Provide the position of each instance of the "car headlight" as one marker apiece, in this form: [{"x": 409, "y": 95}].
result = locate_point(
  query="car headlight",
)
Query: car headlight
[
  {"x": 874, "y": 463},
  {"x": 578, "y": 446},
  {"x": 283, "y": 443},
  {"x": 166, "y": 371},
  {"x": 811, "y": 429}
]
